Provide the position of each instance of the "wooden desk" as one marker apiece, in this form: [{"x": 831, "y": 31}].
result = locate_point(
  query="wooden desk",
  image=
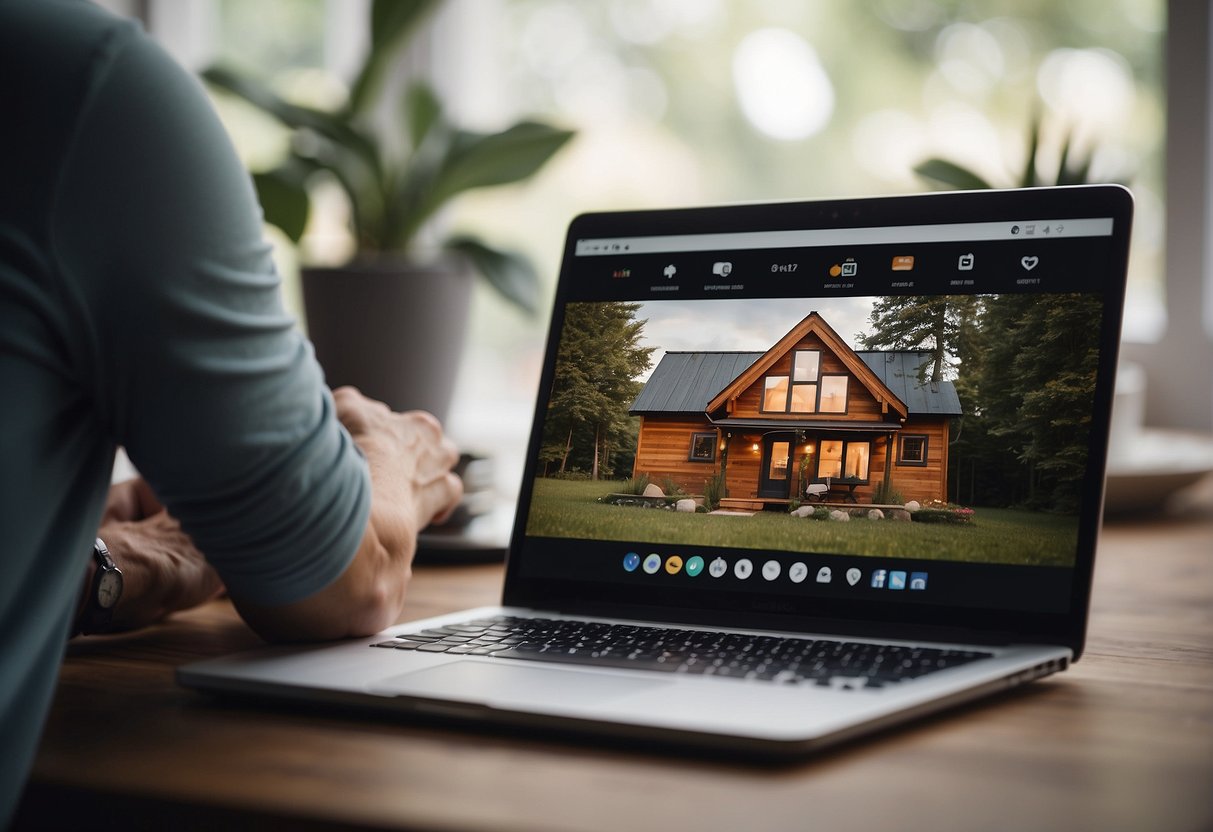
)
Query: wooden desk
[{"x": 1123, "y": 741}]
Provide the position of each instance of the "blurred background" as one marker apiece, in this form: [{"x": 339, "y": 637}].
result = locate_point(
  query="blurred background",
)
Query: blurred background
[{"x": 681, "y": 102}]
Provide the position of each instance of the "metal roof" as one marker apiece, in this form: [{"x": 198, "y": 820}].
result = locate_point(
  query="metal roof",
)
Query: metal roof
[
  {"x": 685, "y": 382},
  {"x": 899, "y": 372}
]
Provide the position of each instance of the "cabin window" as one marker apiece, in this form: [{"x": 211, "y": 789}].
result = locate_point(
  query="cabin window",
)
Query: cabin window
[
  {"x": 857, "y": 460},
  {"x": 799, "y": 392},
  {"x": 703, "y": 447},
  {"x": 834, "y": 394},
  {"x": 840, "y": 458},
  {"x": 805, "y": 365},
  {"x": 775, "y": 394},
  {"x": 913, "y": 450},
  {"x": 778, "y": 469}
]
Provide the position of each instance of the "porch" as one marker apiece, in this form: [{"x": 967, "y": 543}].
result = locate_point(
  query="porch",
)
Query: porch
[{"x": 762, "y": 503}]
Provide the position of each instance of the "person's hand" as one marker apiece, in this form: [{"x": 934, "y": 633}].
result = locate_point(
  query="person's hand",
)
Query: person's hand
[
  {"x": 162, "y": 570},
  {"x": 412, "y": 485},
  {"x": 408, "y": 455}
]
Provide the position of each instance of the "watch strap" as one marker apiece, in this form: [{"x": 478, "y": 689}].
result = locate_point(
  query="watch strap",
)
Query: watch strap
[{"x": 96, "y": 617}]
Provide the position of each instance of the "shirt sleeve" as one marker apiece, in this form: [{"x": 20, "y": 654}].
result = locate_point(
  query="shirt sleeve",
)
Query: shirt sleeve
[{"x": 191, "y": 360}]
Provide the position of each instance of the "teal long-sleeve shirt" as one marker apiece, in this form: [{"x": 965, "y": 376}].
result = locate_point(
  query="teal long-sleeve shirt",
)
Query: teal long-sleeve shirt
[{"x": 139, "y": 307}]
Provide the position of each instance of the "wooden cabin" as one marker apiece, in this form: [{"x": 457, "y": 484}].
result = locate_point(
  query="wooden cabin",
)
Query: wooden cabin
[{"x": 810, "y": 411}]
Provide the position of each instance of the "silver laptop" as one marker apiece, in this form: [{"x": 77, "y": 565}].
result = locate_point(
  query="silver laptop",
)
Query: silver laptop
[{"x": 798, "y": 471}]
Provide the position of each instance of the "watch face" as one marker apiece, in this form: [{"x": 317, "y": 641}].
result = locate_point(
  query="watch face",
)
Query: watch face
[{"x": 109, "y": 589}]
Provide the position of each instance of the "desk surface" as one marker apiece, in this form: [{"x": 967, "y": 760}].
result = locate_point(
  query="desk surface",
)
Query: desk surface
[{"x": 1124, "y": 740}]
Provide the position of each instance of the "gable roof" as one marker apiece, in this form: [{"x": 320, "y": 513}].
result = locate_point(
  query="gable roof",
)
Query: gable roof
[
  {"x": 686, "y": 382},
  {"x": 815, "y": 324}
]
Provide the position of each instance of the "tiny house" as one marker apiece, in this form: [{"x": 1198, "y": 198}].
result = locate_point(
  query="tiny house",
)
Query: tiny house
[{"x": 810, "y": 417}]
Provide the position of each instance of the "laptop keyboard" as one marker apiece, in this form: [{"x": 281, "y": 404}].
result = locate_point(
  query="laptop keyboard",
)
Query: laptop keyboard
[{"x": 826, "y": 662}]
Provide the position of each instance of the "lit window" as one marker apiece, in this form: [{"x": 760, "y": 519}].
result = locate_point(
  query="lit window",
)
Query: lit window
[
  {"x": 805, "y": 365},
  {"x": 830, "y": 464},
  {"x": 834, "y": 394},
  {"x": 836, "y": 452},
  {"x": 775, "y": 394},
  {"x": 804, "y": 398},
  {"x": 779, "y": 461},
  {"x": 857, "y": 460}
]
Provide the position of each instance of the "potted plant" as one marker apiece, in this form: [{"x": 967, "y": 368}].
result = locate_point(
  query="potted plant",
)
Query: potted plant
[{"x": 392, "y": 320}]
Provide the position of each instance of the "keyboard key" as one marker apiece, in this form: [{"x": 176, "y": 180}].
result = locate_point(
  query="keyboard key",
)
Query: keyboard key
[{"x": 840, "y": 665}]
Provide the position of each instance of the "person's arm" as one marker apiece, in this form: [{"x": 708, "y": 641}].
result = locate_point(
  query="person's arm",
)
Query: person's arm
[
  {"x": 412, "y": 485},
  {"x": 186, "y": 357}
]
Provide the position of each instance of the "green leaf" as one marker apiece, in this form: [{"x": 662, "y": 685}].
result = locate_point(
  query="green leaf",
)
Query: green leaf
[
  {"x": 509, "y": 273},
  {"x": 392, "y": 23},
  {"x": 951, "y": 175},
  {"x": 284, "y": 198},
  {"x": 333, "y": 127},
  {"x": 1029, "y": 178},
  {"x": 422, "y": 110},
  {"x": 477, "y": 160}
]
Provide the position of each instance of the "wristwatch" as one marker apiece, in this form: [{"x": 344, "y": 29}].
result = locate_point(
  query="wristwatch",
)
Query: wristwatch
[{"x": 97, "y": 615}]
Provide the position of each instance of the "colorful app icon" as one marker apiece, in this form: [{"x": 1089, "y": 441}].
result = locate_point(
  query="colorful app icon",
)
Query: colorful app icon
[
  {"x": 879, "y": 576},
  {"x": 798, "y": 572},
  {"x": 904, "y": 263},
  {"x": 630, "y": 561},
  {"x": 824, "y": 575},
  {"x": 743, "y": 568},
  {"x": 771, "y": 570},
  {"x": 694, "y": 566},
  {"x": 847, "y": 268},
  {"x": 897, "y": 580},
  {"x": 652, "y": 563},
  {"x": 718, "y": 567},
  {"x": 853, "y": 576},
  {"x": 673, "y": 564},
  {"x": 918, "y": 580}
]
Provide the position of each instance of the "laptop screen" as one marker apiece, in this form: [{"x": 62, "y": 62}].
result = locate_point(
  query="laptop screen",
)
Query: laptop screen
[{"x": 874, "y": 410}]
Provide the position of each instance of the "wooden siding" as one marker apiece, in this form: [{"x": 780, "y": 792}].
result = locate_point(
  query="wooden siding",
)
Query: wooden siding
[
  {"x": 923, "y": 482},
  {"x": 663, "y": 448},
  {"x": 861, "y": 404},
  {"x": 665, "y": 443}
]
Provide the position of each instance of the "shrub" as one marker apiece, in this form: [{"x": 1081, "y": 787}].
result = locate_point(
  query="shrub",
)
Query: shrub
[
  {"x": 671, "y": 488},
  {"x": 713, "y": 492},
  {"x": 635, "y": 485},
  {"x": 572, "y": 475},
  {"x": 886, "y": 494}
]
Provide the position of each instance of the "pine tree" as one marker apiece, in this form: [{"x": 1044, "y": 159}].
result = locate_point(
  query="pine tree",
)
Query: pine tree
[{"x": 597, "y": 363}]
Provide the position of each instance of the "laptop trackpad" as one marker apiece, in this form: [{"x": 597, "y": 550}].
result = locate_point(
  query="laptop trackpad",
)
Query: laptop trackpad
[{"x": 501, "y": 683}]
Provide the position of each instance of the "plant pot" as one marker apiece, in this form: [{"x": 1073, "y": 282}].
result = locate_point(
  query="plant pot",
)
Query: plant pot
[{"x": 393, "y": 329}]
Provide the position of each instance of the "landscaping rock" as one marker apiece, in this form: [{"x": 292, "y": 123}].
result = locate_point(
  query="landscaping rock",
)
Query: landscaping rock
[
  {"x": 653, "y": 490},
  {"x": 803, "y": 511},
  {"x": 875, "y": 514},
  {"x": 913, "y": 506},
  {"x": 899, "y": 514},
  {"x": 841, "y": 516},
  {"x": 685, "y": 506}
]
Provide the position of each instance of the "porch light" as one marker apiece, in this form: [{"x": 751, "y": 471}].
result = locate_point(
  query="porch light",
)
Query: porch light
[{"x": 754, "y": 447}]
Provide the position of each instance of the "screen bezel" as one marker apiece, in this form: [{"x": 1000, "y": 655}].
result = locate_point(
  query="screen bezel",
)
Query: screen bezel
[{"x": 937, "y": 622}]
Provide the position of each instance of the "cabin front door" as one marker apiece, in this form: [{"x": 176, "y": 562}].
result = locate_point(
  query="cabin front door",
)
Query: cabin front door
[{"x": 773, "y": 479}]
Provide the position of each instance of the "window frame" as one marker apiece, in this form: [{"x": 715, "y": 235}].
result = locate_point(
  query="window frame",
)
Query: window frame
[
  {"x": 901, "y": 453},
  {"x": 695, "y": 438}
]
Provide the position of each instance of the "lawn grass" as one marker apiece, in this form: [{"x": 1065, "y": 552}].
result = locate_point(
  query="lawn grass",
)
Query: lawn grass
[{"x": 571, "y": 509}]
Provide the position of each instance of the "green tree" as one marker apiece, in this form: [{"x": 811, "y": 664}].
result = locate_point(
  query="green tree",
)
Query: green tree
[
  {"x": 939, "y": 324},
  {"x": 597, "y": 363}
]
